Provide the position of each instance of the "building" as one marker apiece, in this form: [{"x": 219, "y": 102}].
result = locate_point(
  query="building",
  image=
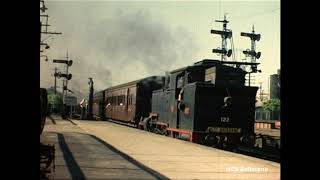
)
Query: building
[
  {"x": 71, "y": 102},
  {"x": 275, "y": 86}
]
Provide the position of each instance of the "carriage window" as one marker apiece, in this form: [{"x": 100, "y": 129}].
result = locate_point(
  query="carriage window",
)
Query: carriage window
[{"x": 120, "y": 100}]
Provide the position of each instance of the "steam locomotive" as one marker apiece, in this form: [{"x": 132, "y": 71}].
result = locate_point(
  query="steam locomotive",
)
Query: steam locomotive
[{"x": 206, "y": 103}]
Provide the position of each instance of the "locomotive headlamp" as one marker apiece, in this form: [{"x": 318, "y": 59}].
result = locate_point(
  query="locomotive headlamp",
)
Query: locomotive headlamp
[{"x": 227, "y": 100}]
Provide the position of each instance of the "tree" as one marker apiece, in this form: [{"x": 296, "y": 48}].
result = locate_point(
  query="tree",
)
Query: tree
[
  {"x": 273, "y": 106},
  {"x": 55, "y": 102},
  {"x": 54, "y": 99}
]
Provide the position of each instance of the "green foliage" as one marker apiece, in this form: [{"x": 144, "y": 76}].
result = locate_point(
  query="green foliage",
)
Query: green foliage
[
  {"x": 272, "y": 105},
  {"x": 54, "y": 99}
]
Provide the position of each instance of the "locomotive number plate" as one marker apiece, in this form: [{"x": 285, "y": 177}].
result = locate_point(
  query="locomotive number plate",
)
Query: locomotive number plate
[
  {"x": 225, "y": 130},
  {"x": 225, "y": 119}
]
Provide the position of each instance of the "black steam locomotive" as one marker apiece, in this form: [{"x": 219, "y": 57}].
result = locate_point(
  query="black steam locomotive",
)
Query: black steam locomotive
[{"x": 206, "y": 103}]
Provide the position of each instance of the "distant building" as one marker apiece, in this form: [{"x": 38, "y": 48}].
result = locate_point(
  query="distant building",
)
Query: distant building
[
  {"x": 71, "y": 102},
  {"x": 275, "y": 86},
  {"x": 51, "y": 91}
]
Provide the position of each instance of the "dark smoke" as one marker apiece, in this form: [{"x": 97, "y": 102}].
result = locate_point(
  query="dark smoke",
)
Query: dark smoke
[{"x": 121, "y": 48}]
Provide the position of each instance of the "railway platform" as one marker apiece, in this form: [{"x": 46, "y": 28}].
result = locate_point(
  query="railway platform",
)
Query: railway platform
[
  {"x": 105, "y": 150},
  {"x": 83, "y": 156}
]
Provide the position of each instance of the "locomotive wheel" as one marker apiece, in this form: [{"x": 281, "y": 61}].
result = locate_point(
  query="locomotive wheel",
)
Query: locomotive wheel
[
  {"x": 211, "y": 140},
  {"x": 146, "y": 125}
]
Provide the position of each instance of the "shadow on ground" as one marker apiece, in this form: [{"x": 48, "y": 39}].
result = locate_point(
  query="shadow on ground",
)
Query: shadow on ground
[{"x": 84, "y": 156}]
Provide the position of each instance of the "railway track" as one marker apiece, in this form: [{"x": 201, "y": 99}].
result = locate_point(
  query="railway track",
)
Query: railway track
[
  {"x": 260, "y": 153},
  {"x": 267, "y": 148}
]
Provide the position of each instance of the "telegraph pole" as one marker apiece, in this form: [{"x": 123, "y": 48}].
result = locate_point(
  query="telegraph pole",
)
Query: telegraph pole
[
  {"x": 65, "y": 89},
  {"x": 43, "y": 8},
  {"x": 90, "y": 102},
  {"x": 261, "y": 95},
  {"x": 55, "y": 80}
]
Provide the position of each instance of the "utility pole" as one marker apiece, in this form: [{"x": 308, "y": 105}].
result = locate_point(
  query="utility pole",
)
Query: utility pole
[
  {"x": 90, "y": 102},
  {"x": 66, "y": 88},
  {"x": 55, "y": 80},
  {"x": 261, "y": 95},
  {"x": 43, "y": 8}
]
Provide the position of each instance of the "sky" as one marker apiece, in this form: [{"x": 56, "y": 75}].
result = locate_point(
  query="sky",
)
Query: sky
[{"x": 120, "y": 41}]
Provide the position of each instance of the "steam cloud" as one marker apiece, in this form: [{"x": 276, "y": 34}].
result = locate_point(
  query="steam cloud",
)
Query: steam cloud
[{"x": 118, "y": 49}]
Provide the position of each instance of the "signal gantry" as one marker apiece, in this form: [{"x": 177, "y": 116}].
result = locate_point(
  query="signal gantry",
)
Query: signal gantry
[
  {"x": 252, "y": 53},
  {"x": 225, "y": 34}
]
